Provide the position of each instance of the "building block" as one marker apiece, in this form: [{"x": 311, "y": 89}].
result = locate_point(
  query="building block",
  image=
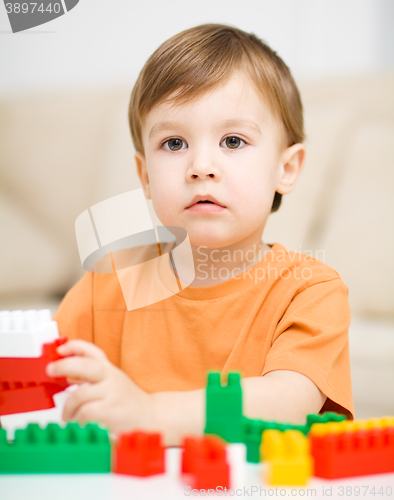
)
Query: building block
[
  {"x": 236, "y": 459},
  {"x": 224, "y": 407},
  {"x": 55, "y": 449},
  {"x": 204, "y": 462},
  {"x": 356, "y": 448},
  {"x": 139, "y": 454},
  {"x": 253, "y": 430},
  {"x": 19, "y": 397},
  {"x": 23, "y": 333},
  {"x": 323, "y": 418},
  {"x": 287, "y": 457},
  {"x": 43, "y": 417},
  {"x": 252, "y": 438},
  {"x": 31, "y": 369},
  {"x": 24, "y": 385},
  {"x": 224, "y": 416}
]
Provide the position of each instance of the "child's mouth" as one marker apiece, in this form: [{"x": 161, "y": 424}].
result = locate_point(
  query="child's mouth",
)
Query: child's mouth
[{"x": 206, "y": 206}]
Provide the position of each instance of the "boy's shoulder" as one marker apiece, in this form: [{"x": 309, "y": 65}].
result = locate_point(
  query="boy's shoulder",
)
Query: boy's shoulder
[{"x": 307, "y": 262}]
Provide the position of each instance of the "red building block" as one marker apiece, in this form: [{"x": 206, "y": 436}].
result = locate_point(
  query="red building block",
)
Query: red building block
[
  {"x": 204, "y": 462},
  {"x": 139, "y": 454},
  {"x": 353, "y": 448},
  {"x": 24, "y": 385},
  {"x": 31, "y": 369},
  {"x": 19, "y": 397}
]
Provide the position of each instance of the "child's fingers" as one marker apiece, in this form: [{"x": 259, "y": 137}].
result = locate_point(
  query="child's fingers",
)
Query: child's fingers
[
  {"x": 86, "y": 369},
  {"x": 75, "y": 381},
  {"x": 79, "y": 398},
  {"x": 90, "y": 411},
  {"x": 79, "y": 347}
]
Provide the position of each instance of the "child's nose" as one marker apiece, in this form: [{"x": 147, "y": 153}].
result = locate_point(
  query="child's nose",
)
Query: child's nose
[{"x": 203, "y": 169}]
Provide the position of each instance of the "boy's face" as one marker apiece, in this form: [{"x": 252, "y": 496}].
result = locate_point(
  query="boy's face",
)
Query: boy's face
[{"x": 228, "y": 145}]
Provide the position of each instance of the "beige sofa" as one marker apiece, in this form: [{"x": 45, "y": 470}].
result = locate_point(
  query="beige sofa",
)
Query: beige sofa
[{"x": 65, "y": 150}]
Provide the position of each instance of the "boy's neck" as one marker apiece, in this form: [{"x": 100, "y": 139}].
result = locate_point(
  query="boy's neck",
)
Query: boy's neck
[{"x": 214, "y": 266}]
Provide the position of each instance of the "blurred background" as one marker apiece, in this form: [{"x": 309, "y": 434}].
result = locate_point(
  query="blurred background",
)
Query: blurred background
[{"x": 65, "y": 145}]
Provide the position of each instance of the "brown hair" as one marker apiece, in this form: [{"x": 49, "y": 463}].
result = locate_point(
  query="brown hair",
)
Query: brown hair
[{"x": 199, "y": 59}]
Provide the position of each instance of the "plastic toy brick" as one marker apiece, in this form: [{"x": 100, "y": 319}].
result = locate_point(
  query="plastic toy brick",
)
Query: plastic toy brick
[
  {"x": 224, "y": 407},
  {"x": 19, "y": 397},
  {"x": 204, "y": 462},
  {"x": 23, "y": 333},
  {"x": 54, "y": 449},
  {"x": 139, "y": 454},
  {"x": 353, "y": 448},
  {"x": 24, "y": 385},
  {"x": 253, "y": 430},
  {"x": 323, "y": 419},
  {"x": 287, "y": 457},
  {"x": 252, "y": 438},
  {"x": 31, "y": 369}
]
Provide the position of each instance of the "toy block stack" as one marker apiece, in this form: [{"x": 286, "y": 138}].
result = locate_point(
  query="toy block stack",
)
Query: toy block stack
[
  {"x": 224, "y": 416},
  {"x": 28, "y": 342},
  {"x": 138, "y": 453},
  {"x": 353, "y": 448},
  {"x": 253, "y": 430},
  {"x": 204, "y": 462},
  {"x": 54, "y": 449},
  {"x": 287, "y": 457}
]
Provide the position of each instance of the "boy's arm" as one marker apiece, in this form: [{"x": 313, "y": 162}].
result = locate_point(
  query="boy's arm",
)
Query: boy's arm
[
  {"x": 112, "y": 398},
  {"x": 280, "y": 395}
]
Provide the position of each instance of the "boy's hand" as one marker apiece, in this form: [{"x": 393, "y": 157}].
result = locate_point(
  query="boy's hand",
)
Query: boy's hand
[{"x": 109, "y": 397}]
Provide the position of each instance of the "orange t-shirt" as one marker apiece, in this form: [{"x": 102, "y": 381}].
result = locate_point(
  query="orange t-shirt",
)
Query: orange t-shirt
[{"x": 289, "y": 311}]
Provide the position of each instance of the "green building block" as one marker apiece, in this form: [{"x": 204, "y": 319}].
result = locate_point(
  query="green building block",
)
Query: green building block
[
  {"x": 224, "y": 407},
  {"x": 323, "y": 419},
  {"x": 56, "y": 449},
  {"x": 252, "y": 431},
  {"x": 252, "y": 439}
]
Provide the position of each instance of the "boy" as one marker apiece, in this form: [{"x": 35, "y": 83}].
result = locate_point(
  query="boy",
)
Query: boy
[{"x": 216, "y": 120}]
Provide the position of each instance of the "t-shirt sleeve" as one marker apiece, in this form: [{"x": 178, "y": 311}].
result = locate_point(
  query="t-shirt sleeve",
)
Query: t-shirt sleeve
[
  {"x": 74, "y": 315},
  {"x": 312, "y": 338}
]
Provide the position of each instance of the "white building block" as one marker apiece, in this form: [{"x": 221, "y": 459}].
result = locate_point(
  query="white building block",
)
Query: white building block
[
  {"x": 23, "y": 333},
  {"x": 236, "y": 458}
]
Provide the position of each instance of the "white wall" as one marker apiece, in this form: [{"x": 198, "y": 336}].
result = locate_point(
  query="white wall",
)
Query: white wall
[{"x": 107, "y": 41}]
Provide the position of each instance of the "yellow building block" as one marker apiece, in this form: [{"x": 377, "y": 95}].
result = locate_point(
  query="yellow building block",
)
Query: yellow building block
[{"x": 286, "y": 456}]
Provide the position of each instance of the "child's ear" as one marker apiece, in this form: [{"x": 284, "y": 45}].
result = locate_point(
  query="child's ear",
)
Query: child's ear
[
  {"x": 143, "y": 173},
  {"x": 292, "y": 163}
]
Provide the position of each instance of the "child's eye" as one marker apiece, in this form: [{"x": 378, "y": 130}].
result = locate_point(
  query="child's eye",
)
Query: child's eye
[
  {"x": 174, "y": 144},
  {"x": 233, "y": 142}
]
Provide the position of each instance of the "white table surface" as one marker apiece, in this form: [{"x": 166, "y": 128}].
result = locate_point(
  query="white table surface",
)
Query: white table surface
[{"x": 169, "y": 486}]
